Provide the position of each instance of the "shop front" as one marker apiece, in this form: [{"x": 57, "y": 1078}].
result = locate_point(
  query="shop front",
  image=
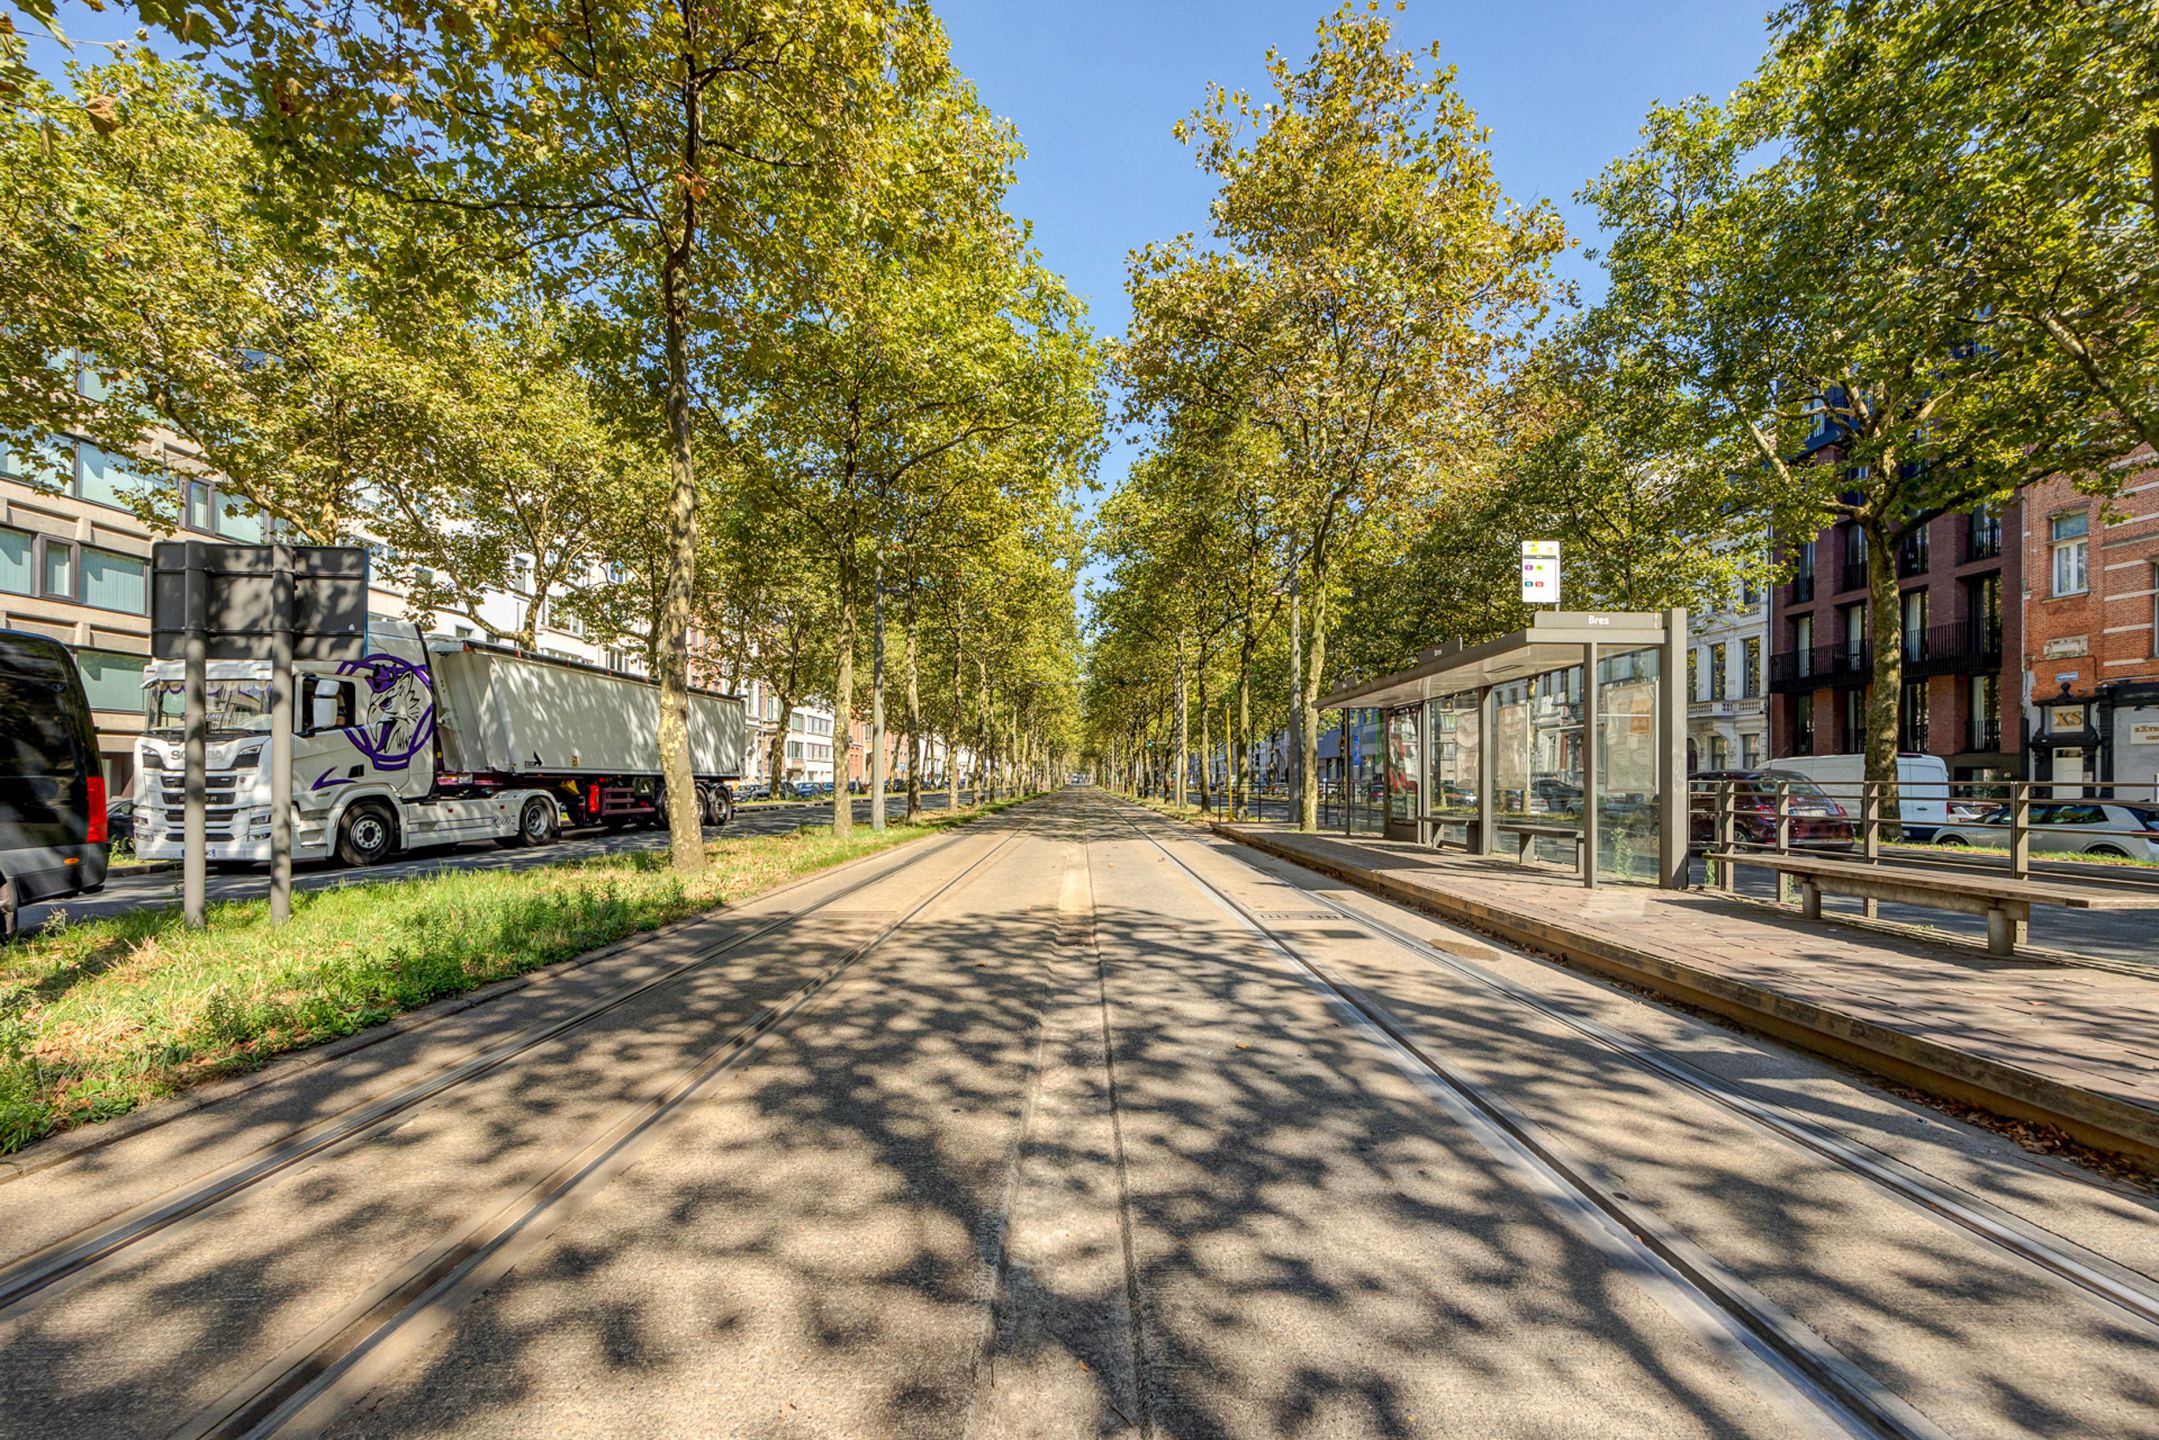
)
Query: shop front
[{"x": 1563, "y": 742}]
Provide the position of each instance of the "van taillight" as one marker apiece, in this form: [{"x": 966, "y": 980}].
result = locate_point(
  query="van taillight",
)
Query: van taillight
[{"x": 97, "y": 809}]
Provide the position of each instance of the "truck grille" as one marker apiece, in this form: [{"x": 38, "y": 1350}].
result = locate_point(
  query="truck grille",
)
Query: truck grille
[{"x": 221, "y": 792}]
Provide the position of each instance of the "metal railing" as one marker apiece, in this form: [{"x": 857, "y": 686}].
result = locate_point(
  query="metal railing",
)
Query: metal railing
[
  {"x": 2104, "y": 832},
  {"x": 1824, "y": 665},
  {"x": 1963, "y": 646},
  {"x": 1852, "y": 575}
]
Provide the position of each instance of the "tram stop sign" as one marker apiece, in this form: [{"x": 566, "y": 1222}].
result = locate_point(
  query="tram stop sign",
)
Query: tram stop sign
[{"x": 229, "y": 592}]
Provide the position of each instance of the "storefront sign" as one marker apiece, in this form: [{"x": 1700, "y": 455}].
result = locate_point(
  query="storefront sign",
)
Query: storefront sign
[
  {"x": 2066, "y": 717},
  {"x": 2144, "y": 734}
]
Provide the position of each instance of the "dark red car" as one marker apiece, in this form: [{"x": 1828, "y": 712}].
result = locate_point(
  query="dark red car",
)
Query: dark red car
[{"x": 1818, "y": 822}]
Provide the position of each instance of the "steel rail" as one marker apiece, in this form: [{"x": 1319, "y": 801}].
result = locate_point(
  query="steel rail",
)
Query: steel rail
[
  {"x": 30, "y": 1276},
  {"x": 309, "y": 1384},
  {"x": 1842, "y": 1393},
  {"x": 2095, "y": 1276}
]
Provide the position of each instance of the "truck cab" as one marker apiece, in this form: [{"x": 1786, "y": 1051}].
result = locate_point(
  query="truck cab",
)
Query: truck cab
[{"x": 363, "y": 731}]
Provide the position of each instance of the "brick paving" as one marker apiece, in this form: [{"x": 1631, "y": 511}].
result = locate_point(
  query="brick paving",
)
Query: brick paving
[{"x": 2094, "y": 1030}]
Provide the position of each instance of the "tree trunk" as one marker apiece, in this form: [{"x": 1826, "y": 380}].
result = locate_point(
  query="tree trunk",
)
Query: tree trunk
[
  {"x": 1885, "y": 627},
  {"x": 959, "y": 711},
  {"x": 1206, "y": 751},
  {"x": 1308, "y": 717},
  {"x": 1184, "y": 729},
  {"x": 1244, "y": 731},
  {"x": 843, "y": 719},
  {"x": 685, "y": 833},
  {"x": 914, "y": 721},
  {"x": 779, "y": 745}
]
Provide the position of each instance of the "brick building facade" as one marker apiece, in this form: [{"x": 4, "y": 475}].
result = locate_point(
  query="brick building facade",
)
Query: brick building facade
[
  {"x": 2091, "y": 635},
  {"x": 1959, "y": 589}
]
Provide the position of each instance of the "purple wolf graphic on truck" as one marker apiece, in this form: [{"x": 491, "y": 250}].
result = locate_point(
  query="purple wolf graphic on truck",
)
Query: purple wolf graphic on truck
[{"x": 404, "y": 706}]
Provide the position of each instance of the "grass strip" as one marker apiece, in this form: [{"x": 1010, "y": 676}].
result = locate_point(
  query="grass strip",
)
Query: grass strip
[{"x": 100, "y": 1016}]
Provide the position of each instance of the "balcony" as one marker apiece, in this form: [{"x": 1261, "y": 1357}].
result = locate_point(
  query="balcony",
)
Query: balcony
[
  {"x": 1825, "y": 666},
  {"x": 1802, "y": 587},
  {"x": 1985, "y": 736},
  {"x": 1983, "y": 539},
  {"x": 1852, "y": 575},
  {"x": 1803, "y": 738},
  {"x": 1968, "y": 647},
  {"x": 1913, "y": 556}
]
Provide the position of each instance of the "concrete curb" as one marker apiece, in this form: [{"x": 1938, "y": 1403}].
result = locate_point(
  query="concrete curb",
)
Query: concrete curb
[
  {"x": 2101, "y": 1121},
  {"x": 70, "y": 1144}
]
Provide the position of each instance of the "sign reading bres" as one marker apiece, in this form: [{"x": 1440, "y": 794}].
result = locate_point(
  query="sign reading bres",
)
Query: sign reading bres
[{"x": 1540, "y": 572}]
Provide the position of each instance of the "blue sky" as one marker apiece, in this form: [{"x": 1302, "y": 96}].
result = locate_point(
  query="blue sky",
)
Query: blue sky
[{"x": 1094, "y": 86}]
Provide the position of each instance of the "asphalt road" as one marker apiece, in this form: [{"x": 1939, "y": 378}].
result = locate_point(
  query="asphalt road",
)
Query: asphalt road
[
  {"x": 1074, "y": 1122},
  {"x": 126, "y": 891}
]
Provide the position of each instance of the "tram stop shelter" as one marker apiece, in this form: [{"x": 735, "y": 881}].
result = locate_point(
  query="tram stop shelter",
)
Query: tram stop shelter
[{"x": 1563, "y": 742}]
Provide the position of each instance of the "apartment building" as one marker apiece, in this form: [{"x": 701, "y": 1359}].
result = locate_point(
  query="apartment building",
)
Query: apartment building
[
  {"x": 1961, "y": 628},
  {"x": 2090, "y": 609},
  {"x": 1727, "y": 683},
  {"x": 75, "y": 565}
]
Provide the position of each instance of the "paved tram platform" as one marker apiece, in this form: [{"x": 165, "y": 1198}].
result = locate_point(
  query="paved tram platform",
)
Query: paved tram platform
[{"x": 2026, "y": 1036}]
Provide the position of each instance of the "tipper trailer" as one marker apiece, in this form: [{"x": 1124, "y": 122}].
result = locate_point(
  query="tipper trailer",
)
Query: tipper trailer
[{"x": 429, "y": 740}]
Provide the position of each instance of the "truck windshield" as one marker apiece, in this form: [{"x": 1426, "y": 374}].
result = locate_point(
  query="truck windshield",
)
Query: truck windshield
[{"x": 232, "y": 705}]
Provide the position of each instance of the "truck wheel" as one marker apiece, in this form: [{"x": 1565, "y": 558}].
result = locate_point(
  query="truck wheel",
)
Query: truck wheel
[
  {"x": 365, "y": 836},
  {"x": 718, "y": 806},
  {"x": 536, "y": 825}
]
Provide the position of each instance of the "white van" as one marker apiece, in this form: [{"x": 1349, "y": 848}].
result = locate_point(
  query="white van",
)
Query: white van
[{"x": 1922, "y": 787}]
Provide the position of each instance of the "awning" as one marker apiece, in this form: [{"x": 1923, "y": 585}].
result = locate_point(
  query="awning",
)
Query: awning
[{"x": 1553, "y": 641}]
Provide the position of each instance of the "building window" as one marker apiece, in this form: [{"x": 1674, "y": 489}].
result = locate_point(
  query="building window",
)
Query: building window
[
  {"x": 1983, "y": 534},
  {"x": 1912, "y": 716},
  {"x": 1803, "y": 644},
  {"x": 115, "y": 582},
  {"x": 1720, "y": 753},
  {"x": 1803, "y": 575},
  {"x": 1915, "y": 624},
  {"x": 1717, "y": 684},
  {"x": 1694, "y": 673},
  {"x": 1750, "y": 660},
  {"x": 1750, "y": 752},
  {"x": 103, "y": 479},
  {"x": 211, "y": 511},
  {"x": 2071, "y": 534},
  {"x": 1855, "y": 721},
  {"x": 18, "y": 570},
  {"x": 112, "y": 681},
  {"x": 1986, "y": 698},
  {"x": 59, "y": 570},
  {"x": 1855, "y": 632},
  {"x": 1855, "y": 559}
]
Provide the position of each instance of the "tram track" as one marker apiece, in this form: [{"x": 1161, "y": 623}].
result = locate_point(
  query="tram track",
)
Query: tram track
[
  {"x": 30, "y": 1278},
  {"x": 2096, "y": 1278},
  {"x": 308, "y": 1384},
  {"x": 1722, "y": 1309}
]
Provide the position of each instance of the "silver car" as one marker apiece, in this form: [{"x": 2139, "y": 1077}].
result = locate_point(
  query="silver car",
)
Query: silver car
[{"x": 2088, "y": 827}]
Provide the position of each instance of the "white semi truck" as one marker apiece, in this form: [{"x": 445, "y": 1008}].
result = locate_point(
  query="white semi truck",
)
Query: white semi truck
[{"x": 429, "y": 740}]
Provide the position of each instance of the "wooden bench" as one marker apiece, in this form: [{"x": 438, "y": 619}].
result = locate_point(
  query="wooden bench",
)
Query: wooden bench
[
  {"x": 1527, "y": 833},
  {"x": 2006, "y": 901}
]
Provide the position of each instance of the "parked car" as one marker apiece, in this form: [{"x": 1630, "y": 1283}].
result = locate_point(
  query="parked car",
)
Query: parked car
[
  {"x": 120, "y": 822},
  {"x": 52, "y": 789},
  {"x": 758, "y": 791},
  {"x": 1818, "y": 821},
  {"x": 2074, "y": 827}
]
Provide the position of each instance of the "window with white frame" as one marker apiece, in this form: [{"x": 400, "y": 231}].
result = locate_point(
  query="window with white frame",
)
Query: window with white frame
[{"x": 2071, "y": 535}]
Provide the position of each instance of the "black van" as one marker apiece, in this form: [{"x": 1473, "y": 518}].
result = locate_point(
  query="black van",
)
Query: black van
[{"x": 52, "y": 791}]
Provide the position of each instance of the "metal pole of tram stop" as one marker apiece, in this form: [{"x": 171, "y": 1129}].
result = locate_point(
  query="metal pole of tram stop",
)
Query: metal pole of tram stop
[{"x": 1590, "y": 765}]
